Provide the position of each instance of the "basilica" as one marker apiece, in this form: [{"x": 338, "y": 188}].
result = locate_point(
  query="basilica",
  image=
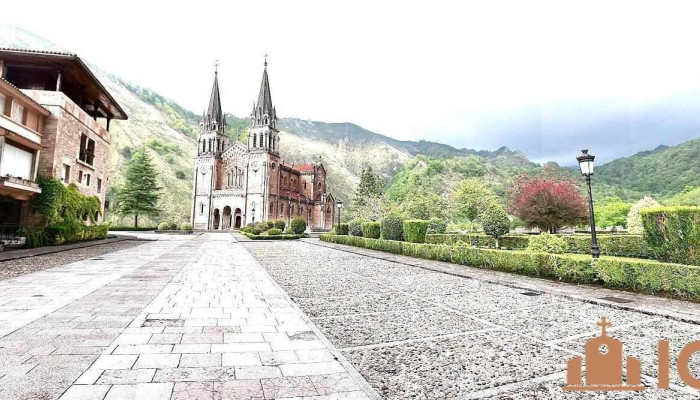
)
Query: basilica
[{"x": 237, "y": 183}]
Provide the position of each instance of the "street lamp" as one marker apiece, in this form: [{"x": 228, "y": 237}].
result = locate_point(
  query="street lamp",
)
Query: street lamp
[
  {"x": 253, "y": 210},
  {"x": 340, "y": 207},
  {"x": 585, "y": 162}
]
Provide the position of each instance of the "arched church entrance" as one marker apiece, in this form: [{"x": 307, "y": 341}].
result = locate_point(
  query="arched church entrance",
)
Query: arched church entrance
[
  {"x": 217, "y": 217},
  {"x": 237, "y": 218},
  {"x": 226, "y": 221}
]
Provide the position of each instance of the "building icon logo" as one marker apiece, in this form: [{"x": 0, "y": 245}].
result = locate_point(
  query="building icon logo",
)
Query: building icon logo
[{"x": 604, "y": 366}]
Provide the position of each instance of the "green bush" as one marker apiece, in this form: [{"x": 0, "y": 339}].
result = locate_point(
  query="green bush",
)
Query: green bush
[
  {"x": 163, "y": 226},
  {"x": 186, "y": 226},
  {"x": 279, "y": 224},
  {"x": 634, "y": 217},
  {"x": 246, "y": 229},
  {"x": 610, "y": 245},
  {"x": 371, "y": 230},
  {"x": 650, "y": 277},
  {"x": 437, "y": 226},
  {"x": 274, "y": 231},
  {"x": 173, "y": 226},
  {"x": 274, "y": 237},
  {"x": 392, "y": 227},
  {"x": 673, "y": 233},
  {"x": 289, "y": 231},
  {"x": 131, "y": 228},
  {"x": 414, "y": 230},
  {"x": 547, "y": 243},
  {"x": 495, "y": 221},
  {"x": 355, "y": 226},
  {"x": 645, "y": 276},
  {"x": 35, "y": 238},
  {"x": 73, "y": 231},
  {"x": 269, "y": 224},
  {"x": 298, "y": 225},
  {"x": 342, "y": 229},
  {"x": 256, "y": 231}
]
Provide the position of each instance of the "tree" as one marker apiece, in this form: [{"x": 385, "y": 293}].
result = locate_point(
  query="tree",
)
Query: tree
[
  {"x": 140, "y": 193},
  {"x": 470, "y": 198},
  {"x": 371, "y": 185},
  {"x": 634, "y": 217},
  {"x": 425, "y": 206},
  {"x": 495, "y": 221},
  {"x": 611, "y": 212},
  {"x": 547, "y": 201},
  {"x": 368, "y": 201}
]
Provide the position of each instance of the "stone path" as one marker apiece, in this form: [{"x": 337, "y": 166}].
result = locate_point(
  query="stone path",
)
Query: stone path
[{"x": 416, "y": 333}]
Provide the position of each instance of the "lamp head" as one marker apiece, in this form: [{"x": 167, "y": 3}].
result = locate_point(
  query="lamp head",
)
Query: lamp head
[{"x": 586, "y": 162}]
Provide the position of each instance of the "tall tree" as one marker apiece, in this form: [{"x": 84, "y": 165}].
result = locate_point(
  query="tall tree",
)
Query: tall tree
[
  {"x": 140, "y": 193},
  {"x": 368, "y": 200},
  {"x": 470, "y": 198},
  {"x": 371, "y": 185},
  {"x": 547, "y": 202}
]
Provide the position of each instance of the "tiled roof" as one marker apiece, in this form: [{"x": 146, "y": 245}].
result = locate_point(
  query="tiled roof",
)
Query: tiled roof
[
  {"x": 31, "y": 51},
  {"x": 304, "y": 167}
]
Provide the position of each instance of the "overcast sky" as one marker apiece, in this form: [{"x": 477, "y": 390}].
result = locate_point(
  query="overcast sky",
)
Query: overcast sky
[{"x": 545, "y": 77}]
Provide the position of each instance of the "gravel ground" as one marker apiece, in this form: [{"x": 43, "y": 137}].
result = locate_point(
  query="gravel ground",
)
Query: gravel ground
[
  {"x": 14, "y": 268},
  {"x": 414, "y": 333}
]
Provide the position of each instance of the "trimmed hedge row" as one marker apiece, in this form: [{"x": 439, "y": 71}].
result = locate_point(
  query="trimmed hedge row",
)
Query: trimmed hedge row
[
  {"x": 414, "y": 230},
  {"x": 611, "y": 245},
  {"x": 131, "y": 228},
  {"x": 673, "y": 233},
  {"x": 63, "y": 233},
  {"x": 640, "y": 275},
  {"x": 285, "y": 236},
  {"x": 371, "y": 230}
]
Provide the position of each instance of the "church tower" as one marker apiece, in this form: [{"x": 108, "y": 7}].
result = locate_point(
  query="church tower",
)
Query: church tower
[
  {"x": 210, "y": 145},
  {"x": 263, "y": 154}
]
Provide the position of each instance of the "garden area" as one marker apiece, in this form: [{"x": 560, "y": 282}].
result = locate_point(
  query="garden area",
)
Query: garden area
[
  {"x": 275, "y": 230},
  {"x": 652, "y": 249}
]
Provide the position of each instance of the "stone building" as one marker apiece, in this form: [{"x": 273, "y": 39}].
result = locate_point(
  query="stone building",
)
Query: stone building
[
  {"x": 75, "y": 134},
  {"x": 21, "y": 121},
  {"x": 237, "y": 183}
]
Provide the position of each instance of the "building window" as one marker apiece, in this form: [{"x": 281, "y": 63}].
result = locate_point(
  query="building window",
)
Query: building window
[
  {"x": 99, "y": 185},
  {"x": 201, "y": 208},
  {"x": 87, "y": 149},
  {"x": 304, "y": 185},
  {"x": 87, "y": 180},
  {"x": 255, "y": 140},
  {"x": 17, "y": 112},
  {"x": 80, "y": 176},
  {"x": 66, "y": 173}
]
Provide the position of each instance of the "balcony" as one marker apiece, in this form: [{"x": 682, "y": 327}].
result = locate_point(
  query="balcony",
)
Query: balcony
[{"x": 18, "y": 188}]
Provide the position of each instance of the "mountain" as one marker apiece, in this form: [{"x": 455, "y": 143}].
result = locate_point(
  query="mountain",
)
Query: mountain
[{"x": 662, "y": 172}]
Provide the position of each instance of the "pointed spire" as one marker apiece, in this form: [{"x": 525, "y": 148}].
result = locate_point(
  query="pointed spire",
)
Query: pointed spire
[
  {"x": 214, "y": 113},
  {"x": 264, "y": 106}
]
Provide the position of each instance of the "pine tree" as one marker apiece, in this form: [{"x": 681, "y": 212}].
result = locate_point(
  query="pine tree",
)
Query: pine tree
[
  {"x": 371, "y": 185},
  {"x": 140, "y": 193}
]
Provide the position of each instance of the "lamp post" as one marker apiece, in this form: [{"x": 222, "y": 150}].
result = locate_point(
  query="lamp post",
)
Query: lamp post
[
  {"x": 340, "y": 207},
  {"x": 585, "y": 162}
]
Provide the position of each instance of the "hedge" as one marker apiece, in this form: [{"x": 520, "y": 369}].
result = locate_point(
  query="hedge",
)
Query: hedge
[
  {"x": 414, "y": 230},
  {"x": 392, "y": 227},
  {"x": 131, "y": 228},
  {"x": 371, "y": 230},
  {"x": 437, "y": 225},
  {"x": 646, "y": 276},
  {"x": 69, "y": 232},
  {"x": 673, "y": 233},
  {"x": 611, "y": 245},
  {"x": 355, "y": 226},
  {"x": 285, "y": 236},
  {"x": 298, "y": 225}
]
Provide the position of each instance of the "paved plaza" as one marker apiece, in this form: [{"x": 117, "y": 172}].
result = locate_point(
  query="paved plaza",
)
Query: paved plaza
[{"x": 210, "y": 317}]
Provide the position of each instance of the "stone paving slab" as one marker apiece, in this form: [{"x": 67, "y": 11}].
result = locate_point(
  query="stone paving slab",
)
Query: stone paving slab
[
  {"x": 461, "y": 337},
  {"x": 231, "y": 333}
]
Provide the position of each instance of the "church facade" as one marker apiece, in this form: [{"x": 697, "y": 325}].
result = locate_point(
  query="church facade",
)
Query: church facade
[{"x": 237, "y": 183}]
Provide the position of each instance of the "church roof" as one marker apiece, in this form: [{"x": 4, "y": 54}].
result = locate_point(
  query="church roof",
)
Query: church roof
[
  {"x": 304, "y": 167},
  {"x": 214, "y": 113}
]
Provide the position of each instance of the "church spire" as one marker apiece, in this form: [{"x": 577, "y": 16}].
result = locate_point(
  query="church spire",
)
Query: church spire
[
  {"x": 263, "y": 112},
  {"x": 214, "y": 119}
]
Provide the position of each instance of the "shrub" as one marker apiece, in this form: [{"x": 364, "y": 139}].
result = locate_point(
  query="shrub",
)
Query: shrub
[
  {"x": 246, "y": 229},
  {"x": 392, "y": 227},
  {"x": 673, "y": 233},
  {"x": 547, "y": 243},
  {"x": 269, "y": 224},
  {"x": 634, "y": 217},
  {"x": 186, "y": 226},
  {"x": 279, "y": 224},
  {"x": 163, "y": 226},
  {"x": 179, "y": 174},
  {"x": 274, "y": 231},
  {"x": 437, "y": 226},
  {"x": 132, "y": 228},
  {"x": 256, "y": 231},
  {"x": 611, "y": 245},
  {"x": 371, "y": 230},
  {"x": 650, "y": 276},
  {"x": 73, "y": 231},
  {"x": 289, "y": 231},
  {"x": 342, "y": 229},
  {"x": 36, "y": 238},
  {"x": 355, "y": 226},
  {"x": 414, "y": 230},
  {"x": 173, "y": 226},
  {"x": 298, "y": 225},
  {"x": 495, "y": 221}
]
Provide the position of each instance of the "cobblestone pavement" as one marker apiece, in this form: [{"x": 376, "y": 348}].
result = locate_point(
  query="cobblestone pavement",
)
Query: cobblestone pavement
[
  {"x": 15, "y": 268},
  {"x": 180, "y": 318},
  {"x": 416, "y": 333}
]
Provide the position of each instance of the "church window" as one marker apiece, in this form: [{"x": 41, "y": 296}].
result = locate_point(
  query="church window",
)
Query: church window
[
  {"x": 255, "y": 140},
  {"x": 201, "y": 208},
  {"x": 304, "y": 185},
  {"x": 266, "y": 120}
]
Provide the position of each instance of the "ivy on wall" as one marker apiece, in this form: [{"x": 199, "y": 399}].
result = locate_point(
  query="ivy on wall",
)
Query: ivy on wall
[{"x": 60, "y": 203}]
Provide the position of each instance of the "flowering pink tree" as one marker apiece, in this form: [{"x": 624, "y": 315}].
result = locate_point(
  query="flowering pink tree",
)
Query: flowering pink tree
[{"x": 547, "y": 202}]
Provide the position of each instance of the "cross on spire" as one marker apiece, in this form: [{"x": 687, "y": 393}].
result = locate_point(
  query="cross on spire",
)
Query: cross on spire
[
  {"x": 266, "y": 55},
  {"x": 603, "y": 324},
  {"x": 216, "y": 66}
]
